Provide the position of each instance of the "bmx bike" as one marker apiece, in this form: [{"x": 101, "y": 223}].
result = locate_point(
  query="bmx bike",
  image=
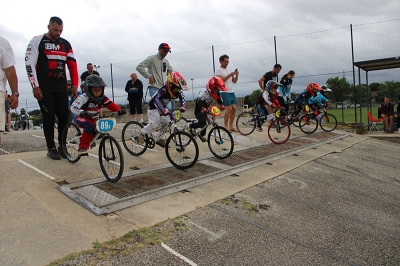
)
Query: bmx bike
[
  {"x": 111, "y": 158},
  {"x": 220, "y": 140},
  {"x": 180, "y": 147}
]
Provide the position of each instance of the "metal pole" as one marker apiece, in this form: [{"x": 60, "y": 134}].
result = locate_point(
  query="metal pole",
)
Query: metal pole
[
  {"x": 212, "y": 53},
  {"x": 112, "y": 83},
  {"x": 354, "y": 75},
  {"x": 192, "y": 89}
]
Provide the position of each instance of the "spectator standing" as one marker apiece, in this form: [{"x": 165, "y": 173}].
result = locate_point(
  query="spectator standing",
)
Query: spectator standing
[
  {"x": 89, "y": 72},
  {"x": 386, "y": 111},
  {"x": 45, "y": 60},
  {"x": 270, "y": 75},
  {"x": 228, "y": 97},
  {"x": 284, "y": 97},
  {"x": 134, "y": 88},
  {"x": 398, "y": 116},
  {"x": 7, "y": 73},
  {"x": 156, "y": 68},
  {"x": 8, "y": 115}
]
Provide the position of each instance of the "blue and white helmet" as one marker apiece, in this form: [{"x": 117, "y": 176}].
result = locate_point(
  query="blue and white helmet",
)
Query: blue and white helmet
[{"x": 271, "y": 84}]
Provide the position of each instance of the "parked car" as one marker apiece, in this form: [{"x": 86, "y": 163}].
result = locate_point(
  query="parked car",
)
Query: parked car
[
  {"x": 352, "y": 106},
  {"x": 340, "y": 106}
]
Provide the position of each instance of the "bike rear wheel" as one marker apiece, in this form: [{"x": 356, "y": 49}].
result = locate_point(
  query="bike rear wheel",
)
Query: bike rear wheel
[
  {"x": 246, "y": 123},
  {"x": 220, "y": 142},
  {"x": 130, "y": 138},
  {"x": 328, "y": 122},
  {"x": 279, "y": 131},
  {"x": 72, "y": 137},
  {"x": 308, "y": 123},
  {"x": 182, "y": 150},
  {"x": 111, "y": 159}
]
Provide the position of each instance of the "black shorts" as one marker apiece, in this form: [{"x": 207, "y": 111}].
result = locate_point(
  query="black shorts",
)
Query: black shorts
[{"x": 135, "y": 106}]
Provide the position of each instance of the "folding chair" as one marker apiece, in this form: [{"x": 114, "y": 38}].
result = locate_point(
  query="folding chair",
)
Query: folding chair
[{"x": 373, "y": 123}]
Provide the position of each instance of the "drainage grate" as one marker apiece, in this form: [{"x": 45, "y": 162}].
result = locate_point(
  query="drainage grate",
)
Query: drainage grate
[
  {"x": 101, "y": 196},
  {"x": 140, "y": 183}
]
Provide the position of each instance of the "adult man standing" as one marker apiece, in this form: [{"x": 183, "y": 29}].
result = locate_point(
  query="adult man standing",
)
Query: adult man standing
[
  {"x": 228, "y": 97},
  {"x": 157, "y": 71},
  {"x": 270, "y": 75},
  {"x": 45, "y": 61},
  {"x": 89, "y": 72},
  {"x": 386, "y": 111},
  {"x": 7, "y": 73}
]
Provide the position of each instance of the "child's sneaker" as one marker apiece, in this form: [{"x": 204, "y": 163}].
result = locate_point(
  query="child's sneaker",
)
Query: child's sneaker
[
  {"x": 140, "y": 138},
  {"x": 202, "y": 138},
  {"x": 161, "y": 142},
  {"x": 259, "y": 129}
]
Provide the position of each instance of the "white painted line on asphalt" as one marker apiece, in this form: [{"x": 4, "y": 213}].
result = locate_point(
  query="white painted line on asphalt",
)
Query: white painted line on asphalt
[
  {"x": 37, "y": 170},
  {"x": 4, "y": 151},
  {"x": 178, "y": 255},
  {"x": 214, "y": 236}
]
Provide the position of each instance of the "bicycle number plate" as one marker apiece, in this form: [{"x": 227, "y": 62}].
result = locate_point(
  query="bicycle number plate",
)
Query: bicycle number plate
[{"x": 105, "y": 125}]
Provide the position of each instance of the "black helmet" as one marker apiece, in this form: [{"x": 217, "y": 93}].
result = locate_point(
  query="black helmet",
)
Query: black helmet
[
  {"x": 94, "y": 81},
  {"x": 23, "y": 111}
]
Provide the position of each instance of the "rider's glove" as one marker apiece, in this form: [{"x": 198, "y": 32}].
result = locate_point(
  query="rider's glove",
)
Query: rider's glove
[
  {"x": 87, "y": 114},
  {"x": 122, "y": 112},
  {"x": 182, "y": 109},
  {"x": 166, "y": 111},
  {"x": 222, "y": 107},
  {"x": 203, "y": 109}
]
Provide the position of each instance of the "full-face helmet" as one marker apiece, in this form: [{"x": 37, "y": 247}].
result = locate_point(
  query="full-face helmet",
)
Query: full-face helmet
[
  {"x": 313, "y": 87},
  {"x": 23, "y": 112},
  {"x": 175, "y": 83},
  {"x": 271, "y": 86},
  {"x": 324, "y": 88},
  {"x": 214, "y": 86},
  {"x": 94, "y": 81}
]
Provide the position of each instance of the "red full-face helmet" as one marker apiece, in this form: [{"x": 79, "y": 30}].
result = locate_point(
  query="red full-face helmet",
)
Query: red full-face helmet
[
  {"x": 313, "y": 87},
  {"x": 215, "y": 85},
  {"x": 175, "y": 83}
]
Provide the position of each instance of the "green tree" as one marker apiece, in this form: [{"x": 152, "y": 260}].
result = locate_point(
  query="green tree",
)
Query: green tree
[
  {"x": 390, "y": 88},
  {"x": 340, "y": 88},
  {"x": 251, "y": 99}
]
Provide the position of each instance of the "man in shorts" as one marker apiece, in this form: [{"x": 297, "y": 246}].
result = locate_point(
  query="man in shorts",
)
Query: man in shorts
[{"x": 228, "y": 97}]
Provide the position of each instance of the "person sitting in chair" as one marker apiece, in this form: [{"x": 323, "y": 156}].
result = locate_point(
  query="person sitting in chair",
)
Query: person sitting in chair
[{"x": 386, "y": 111}]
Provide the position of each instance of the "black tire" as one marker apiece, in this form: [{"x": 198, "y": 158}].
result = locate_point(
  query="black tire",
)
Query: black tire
[
  {"x": 220, "y": 142},
  {"x": 308, "y": 123},
  {"x": 246, "y": 123},
  {"x": 182, "y": 150},
  {"x": 130, "y": 139},
  {"x": 328, "y": 122},
  {"x": 279, "y": 131},
  {"x": 111, "y": 158},
  {"x": 71, "y": 138}
]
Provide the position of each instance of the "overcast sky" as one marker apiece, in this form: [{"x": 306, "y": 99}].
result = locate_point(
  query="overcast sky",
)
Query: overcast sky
[{"x": 104, "y": 32}]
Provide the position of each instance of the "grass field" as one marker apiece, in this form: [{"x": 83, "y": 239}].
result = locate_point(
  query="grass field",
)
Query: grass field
[{"x": 348, "y": 116}]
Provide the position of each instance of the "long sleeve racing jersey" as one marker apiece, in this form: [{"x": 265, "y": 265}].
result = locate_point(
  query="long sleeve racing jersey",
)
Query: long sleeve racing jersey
[{"x": 45, "y": 61}]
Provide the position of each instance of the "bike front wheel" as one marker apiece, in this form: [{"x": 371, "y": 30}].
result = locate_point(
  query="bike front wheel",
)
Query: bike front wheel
[
  {"x": 111, "y": 159},
  {"x": 130, "y": 138},
  {"x": 220, "y": 142},
  {"x": 182, "y": 150},
  {"x": 279, "y": 131},
  {"x": 328, "y": 122},
  {"x": 308, "y": 123},
  {"x": 246, "y": 123},
  {"x": 71, "y": 138}
]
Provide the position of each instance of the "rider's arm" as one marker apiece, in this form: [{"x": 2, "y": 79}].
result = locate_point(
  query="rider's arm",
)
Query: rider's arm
[
  {"x": 76, "y": 107},
  {"x": 31, "y": 58},
  {"x": 182, "y": 99}
]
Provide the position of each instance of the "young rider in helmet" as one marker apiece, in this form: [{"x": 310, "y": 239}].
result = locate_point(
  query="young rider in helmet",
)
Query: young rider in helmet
[
  {"x": 308, "y": 97},
  {"x": 157, "y": 112},
  {"x": 87, "y": 107},
  {"x": 206, "y": 95},
  {"x": 268, "y": 99}
]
